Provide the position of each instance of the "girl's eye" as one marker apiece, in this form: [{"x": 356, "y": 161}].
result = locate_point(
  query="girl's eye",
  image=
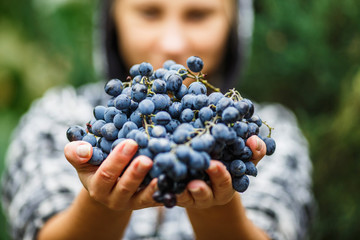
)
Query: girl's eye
[
  {"x": 151, "y": 13},
  {"x": 197, "y": 15}
]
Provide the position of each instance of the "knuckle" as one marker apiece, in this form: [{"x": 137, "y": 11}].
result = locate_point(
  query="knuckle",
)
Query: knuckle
[
  {"x": 202, "y": 204},
  {"x": 136, "y": 175},
  {"x": 107, "y": 176},
  {"x": 94, "y": 195},
  {"x": 202, "y": 197},
  {"x": 224, "y": 183},
  {"x": 125, "y": 190},
  {"x": 143, "y": 202},
  {"x": 189, "y": 201},
  {"x": 115, "y": 206}
]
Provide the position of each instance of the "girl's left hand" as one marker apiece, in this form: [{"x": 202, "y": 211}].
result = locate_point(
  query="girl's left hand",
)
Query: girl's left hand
[{"x": 198, "y": 194}]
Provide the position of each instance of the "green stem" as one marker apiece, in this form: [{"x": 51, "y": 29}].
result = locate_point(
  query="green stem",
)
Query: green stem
[
  {"x": 269, "y": 127},
  {"x": 146, "y": 126}
]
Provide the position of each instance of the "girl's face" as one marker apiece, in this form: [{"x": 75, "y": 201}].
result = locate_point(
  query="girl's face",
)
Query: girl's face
[{"x": 158, "y": 30}]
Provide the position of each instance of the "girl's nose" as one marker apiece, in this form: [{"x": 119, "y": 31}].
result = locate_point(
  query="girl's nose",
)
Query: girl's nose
[{"x": 172, "y": 41}]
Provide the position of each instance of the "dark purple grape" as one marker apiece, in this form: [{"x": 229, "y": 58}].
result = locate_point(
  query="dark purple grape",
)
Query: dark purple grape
[
  {"x": 270, "y": 145},
  {"x": 188, "y": 101},
  {"x": 114, "y": 87},
  {"x": 160, "y": 101},
  {"x": 99, "y": 112},
  {"x": 159, "y": 73},
  {"x": 255, "y": 119},
  {"x": 164, "y": 183},
  {"x": 97, "y": 157},
  {"x": 197, "y": 88},
  {"x": 136, "y": 117},
  {"x": 110, "y": 113},
  {"x": 158, "y": 131},
  {"x": 105, "y": 145},
  {"x": 120, "y": 119},
  {"x": 246, "y": 154},
  {"x": 251, "y": 169},
  {"x": 195, "y": 64},
  {"x": 109, "y": 131},
  {"x": 181, "y": 92},
  {"x": 128, "y": 126},
  {"x": 200, "y": 101},
  {"x": 187, "y": 115},
  {"x": 96, "y": 127},
  {"x": 175, "y": 109},
  {"x": 134, "y": 70},
  {"x": 251, "y": 108},
  {"x": 215, "y": 97},
  {"x": 222, "y": 104},
  {"x": 230, "y": 115},
  {"x": 158, "y": 196},
  {"x": 146, "y": 107},
  {"x": 146, "y": 69},
  {"x": 159, "y": 145},
  {"x": 205, "y": 114},
  {"x": 162, "y": 118},
  {"x": 75, "y": 133},
  {"x": 122, "y": 101},
  {"x": 173, "y": 83},
  {"x": 159, "y": 86},
  {"x": 237, "y": 168},
  {"x": 90, "y": 138},
  {"x": 169, "y": 200},
  {"x": 253, "y": 129},
  {"x": 240, "y": 184},
  {"x": 138, "y": 92},
  {"x": 168, "y": 63}
]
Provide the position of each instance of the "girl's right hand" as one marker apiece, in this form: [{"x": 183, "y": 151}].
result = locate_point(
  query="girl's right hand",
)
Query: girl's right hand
[{"x": 104, "y": 183}]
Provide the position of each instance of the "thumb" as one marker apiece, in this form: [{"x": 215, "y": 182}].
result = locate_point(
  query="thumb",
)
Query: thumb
[
  {"x": 78, "y": 152},
  {"x": 258, "y": 147}
]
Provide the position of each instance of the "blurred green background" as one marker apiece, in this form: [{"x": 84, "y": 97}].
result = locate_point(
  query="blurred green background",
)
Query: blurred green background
[{"x": 306, "y": 55}]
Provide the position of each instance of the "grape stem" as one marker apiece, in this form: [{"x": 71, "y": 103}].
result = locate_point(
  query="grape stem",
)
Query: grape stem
[
  {"x": 200, "y": 78},
  {"x": 146, "y": 126},
  {"x": 234, "y": 95},
  {"x": 127, "y": 84},
  {"x": 269, "y": 127}
]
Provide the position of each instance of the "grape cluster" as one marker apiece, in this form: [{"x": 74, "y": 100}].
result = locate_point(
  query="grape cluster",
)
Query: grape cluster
[{"x": 180, "y": 128}]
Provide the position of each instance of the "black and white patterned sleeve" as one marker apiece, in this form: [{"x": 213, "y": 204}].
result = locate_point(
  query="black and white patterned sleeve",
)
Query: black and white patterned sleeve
[
  {"x": 38, "y": 181},
  {"x": 279, "y": 200}
]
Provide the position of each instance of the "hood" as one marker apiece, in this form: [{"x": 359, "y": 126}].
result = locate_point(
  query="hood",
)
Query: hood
[{"x": 109, "y": 64}]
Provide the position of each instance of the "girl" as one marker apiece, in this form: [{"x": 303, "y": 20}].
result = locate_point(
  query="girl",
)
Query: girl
[{"x": 44, "y": 197}]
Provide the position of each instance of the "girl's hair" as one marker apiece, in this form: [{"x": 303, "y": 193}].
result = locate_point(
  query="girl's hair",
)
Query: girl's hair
[{"x": 112, "y": 65}]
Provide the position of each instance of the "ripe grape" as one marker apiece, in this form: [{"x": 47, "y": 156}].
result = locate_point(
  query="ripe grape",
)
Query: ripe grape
[
  {"x": 75, "y": 133},
  {"x": 195, "y": 64}
]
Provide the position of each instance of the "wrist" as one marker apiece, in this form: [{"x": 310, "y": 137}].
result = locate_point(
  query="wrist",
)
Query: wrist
[
  {"x": 85, "y": 200},
  {"x": 83, "y": 219},
  {"x": 234, "y": 204},
  {"x": 228, "y": 221}
]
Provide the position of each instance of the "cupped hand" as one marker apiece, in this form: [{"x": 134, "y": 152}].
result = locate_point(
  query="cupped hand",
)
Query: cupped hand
[
  {"x": 199, "y": 194},
  {"x": 104, "y": 183}
]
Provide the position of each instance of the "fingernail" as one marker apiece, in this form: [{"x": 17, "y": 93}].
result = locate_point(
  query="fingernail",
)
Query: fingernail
[
  {"x": 259, "y": 144},
  {"x": 129, "y": 148},
  {"x": 213, "y": 168},
  {"x": 155, "y": 187},
  {"x": 83, "y": 151},
  {"x": 143, "y": 166},
  {"x": 194, "y": 190}
]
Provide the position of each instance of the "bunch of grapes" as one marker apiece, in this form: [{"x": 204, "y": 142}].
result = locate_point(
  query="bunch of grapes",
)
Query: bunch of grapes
[{"x": 180, "y": 128}]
